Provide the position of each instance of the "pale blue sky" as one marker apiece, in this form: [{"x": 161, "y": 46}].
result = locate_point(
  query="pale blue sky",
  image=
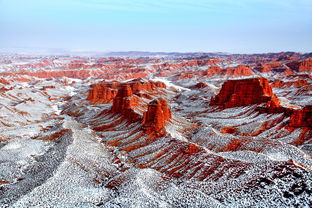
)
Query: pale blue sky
[{"x": 237, "y": 26}]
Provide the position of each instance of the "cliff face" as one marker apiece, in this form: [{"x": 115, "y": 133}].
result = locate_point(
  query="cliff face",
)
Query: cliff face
[
  {"x": 236, "y": 71},
  {"x": 105, "y": 92},
  {"x": 154, "y": 118},
  {"x": 240, "y": 70},
  {"x": 305, "y": 66},
  {"x": 273, "y": 67},
  {"x": 301, "y": 117},
  {"x": 301, "y": 66},
  {"x": 101, "y": 93},
  {"x": 138, "y": 85},
  {"x": 124, "y": 102},
  {"x": 213, "y": 70},
  {"x": 235, "y": 93},
  {"x": 286, "y": 84}
]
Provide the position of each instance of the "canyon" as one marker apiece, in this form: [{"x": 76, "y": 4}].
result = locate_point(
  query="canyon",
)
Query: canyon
[{"x": 178, "y": 130}]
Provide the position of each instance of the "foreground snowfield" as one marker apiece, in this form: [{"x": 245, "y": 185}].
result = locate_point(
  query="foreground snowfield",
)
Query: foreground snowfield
[
  {"x": 72, "y": 182},
  {"x": 58, "y": 150}
]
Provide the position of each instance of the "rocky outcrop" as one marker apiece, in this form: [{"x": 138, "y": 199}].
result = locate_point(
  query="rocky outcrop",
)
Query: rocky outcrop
[
  {"x": 105, "y": 92},
  {"x": 305, "y": 66},
  {"x": 141, "y": 84},
  {"x": 301, "y": 117},
  {"x": 302, "y": 66},
  {"x": 235, "y": 93},
  {"x": 124, "y": 103},
  {"x": 155, "y": 117},
  {"x": 213, "y": 70},
  {"x": 286, "y": 84},
  {"x": 273, "y": 67},
  {"x": 4, "y": 82},
  {"x": 240, "y": 70},
  {"x": 102, "y": 93},
  {"x": 262, "y": 68},
  {"x": 191, "y": 149},
  {"x": 199, "y": 85},
  {"x": 44, "y": 88}
]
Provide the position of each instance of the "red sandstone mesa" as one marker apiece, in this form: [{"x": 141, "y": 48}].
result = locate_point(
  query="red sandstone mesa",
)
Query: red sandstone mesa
[
  {"x": 302, "y": 117},
  {"x": 155, "y": 117},
  {"x": 101, "y": 93},
  {"x": 235, "y": 93},
  {"x": 105, "y": 92}
]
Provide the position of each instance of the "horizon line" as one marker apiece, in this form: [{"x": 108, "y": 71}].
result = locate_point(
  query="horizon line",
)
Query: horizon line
[{"x": 35, "y": 50}]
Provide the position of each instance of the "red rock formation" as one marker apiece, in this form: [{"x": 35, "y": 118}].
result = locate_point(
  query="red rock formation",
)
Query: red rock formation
[
  {"x": 213, "y": 70},
  {"x": 301, "y": 117},
  {"x": 229, "y": 130},
  {"x": 21, "y": 79},
  {"x": 281, "y": 84},
  {"x": 287, "y": 71},
  {"x": 124, "y": 102},
  {"x": 123, "y": 99},
  {"x": 155, "y": 117},
  {"x": 294, "y": 65},
  {"x": 165, "y": 109},
  {"x": 191, "y": 149},
  {"x": 44, "y": 88},
  {"x": 139, "y": 84},
  {"x": 303, "y": 66},
  {"x": 200, "y": 85},
  {"x": 3, "y": 81},
  {"x": 273, "y": 67},
  {"x": 274, "y": 106},
  {"x": 105, "y": 92},
  {"x": 101, "y": 93},
  {"x": 5, "y": 89},
  {"x": 306, "y": 65},
  {"x": 244, "y": 92},
  {"x": 153, "y": 120},
  {"x": 262, "y": 68},
  {"x": 240, "y": 70}
]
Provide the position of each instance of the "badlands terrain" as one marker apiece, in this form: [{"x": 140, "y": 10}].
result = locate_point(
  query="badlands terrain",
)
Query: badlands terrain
[{"x": 177, "y": 130}]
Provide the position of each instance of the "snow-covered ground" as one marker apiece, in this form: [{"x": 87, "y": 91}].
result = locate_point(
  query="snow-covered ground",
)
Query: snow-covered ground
[{"x": 51, "y": 155}]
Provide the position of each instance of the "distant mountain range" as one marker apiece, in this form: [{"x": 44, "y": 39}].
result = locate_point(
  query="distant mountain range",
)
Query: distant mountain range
[{"x": 67, "y": 52}]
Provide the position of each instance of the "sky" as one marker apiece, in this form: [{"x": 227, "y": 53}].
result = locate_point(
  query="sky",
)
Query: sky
[{"x": 234, "y": 26}]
